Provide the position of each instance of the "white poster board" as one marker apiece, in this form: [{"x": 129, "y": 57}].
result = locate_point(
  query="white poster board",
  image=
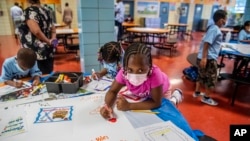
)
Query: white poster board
[{"x": 86, "y": 123}]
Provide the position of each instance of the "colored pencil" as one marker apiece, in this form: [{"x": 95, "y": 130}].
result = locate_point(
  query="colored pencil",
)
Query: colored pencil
[{"x": 145, "y": 111}]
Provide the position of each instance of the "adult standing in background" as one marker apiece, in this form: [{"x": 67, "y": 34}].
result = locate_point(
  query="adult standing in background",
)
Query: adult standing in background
[
  {"x": 67, "y": 15},
  {"x": 119, "y": 18},
  {"x": 16, "y": 13},
  {"x": 51, "y": 11},
  {"x": 38, "y": 33}
]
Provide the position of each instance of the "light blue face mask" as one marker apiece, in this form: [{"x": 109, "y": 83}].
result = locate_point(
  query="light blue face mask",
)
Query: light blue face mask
[{"x": 110, "y": 64}]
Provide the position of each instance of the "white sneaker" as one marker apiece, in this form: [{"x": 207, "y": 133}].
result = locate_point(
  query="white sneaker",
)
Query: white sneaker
[
  {"x": 178, "y": 95},
  {"x": 209, "y": 101}
]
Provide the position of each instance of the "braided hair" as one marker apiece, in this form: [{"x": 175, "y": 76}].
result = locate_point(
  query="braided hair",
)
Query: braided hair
[
  {"x": 137, "y": 48},
  {"x": 110, "y": 52}
]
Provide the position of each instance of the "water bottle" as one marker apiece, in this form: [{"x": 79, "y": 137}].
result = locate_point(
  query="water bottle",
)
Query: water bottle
[{"x": 228, "y": 37}]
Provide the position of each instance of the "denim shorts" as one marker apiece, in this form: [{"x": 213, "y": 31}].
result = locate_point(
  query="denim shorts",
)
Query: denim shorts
[{"x": 208, "y": 76}]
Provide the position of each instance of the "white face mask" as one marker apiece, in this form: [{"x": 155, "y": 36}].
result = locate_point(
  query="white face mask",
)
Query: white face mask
[{"x": 136, "y": 79}]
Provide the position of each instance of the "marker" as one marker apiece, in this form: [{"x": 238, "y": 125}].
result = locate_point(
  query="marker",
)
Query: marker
[
  {"x": 93, "y": 72},
  {"x": 145, "y": 111},
  {"x": 40, "y": 86},
  {"x": 112, "y": 118},
  {"x": 79, "y": 95}
]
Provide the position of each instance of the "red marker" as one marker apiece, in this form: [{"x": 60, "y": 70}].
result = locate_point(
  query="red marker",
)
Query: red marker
[{"x": 111, "y": 116}]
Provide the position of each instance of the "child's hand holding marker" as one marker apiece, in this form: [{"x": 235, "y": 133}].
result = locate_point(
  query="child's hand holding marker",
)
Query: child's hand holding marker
[
  {"x": 107, "y": 113},
  {"x": 94, "y": 75},
  {"x": 18, "y": 83}
]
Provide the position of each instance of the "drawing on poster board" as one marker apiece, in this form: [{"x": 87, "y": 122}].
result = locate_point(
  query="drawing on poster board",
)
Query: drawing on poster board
[
  {"x": 165, "y": 131},
  {"x": 54, "y": 114},
  {"x": 13, "y": 126}
]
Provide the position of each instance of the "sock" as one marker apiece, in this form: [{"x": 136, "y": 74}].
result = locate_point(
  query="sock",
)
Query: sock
[
  {"x": 173, "y": 99},
  {"x": 206, "y": 97},
  {"x": 197, "y": 92}
]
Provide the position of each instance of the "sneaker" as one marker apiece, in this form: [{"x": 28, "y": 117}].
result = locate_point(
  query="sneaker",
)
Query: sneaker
[
  {"x": 197, "y": 95},
  {"x": 209, "y": 101},
  {"x": 178, "y": 95}
]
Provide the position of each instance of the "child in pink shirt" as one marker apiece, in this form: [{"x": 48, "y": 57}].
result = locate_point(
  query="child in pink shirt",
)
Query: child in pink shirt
[{"x": 146, "y": 84}]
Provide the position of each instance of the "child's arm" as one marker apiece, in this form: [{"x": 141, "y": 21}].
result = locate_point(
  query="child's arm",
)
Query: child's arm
[
  {"x": 17, "y": 84},
  {"x": 110, "y": 98},
  {"x": 203, "y": 62},
  {"x": 36, "y": 80},
  {"x": 35, "y": 74},
  {"x": 152, "y": 103},
  {"x": 100, "y": 73}
]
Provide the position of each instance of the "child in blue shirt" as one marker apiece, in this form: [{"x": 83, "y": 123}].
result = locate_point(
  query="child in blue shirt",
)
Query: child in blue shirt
[
  {"x": 207, "y": 58},
  {"x": 110, "y": 55},
  {"x": 20, "y": 66},
  {"x": 244, "y": 38},
  {"x": 244, "y": 35}
]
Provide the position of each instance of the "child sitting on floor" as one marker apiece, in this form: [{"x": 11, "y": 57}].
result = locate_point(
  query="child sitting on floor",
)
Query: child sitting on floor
[
  {"x": 20, "y": 66},
  {"x": 143, "y": 79},
  {"x": 110, "y": 56}
]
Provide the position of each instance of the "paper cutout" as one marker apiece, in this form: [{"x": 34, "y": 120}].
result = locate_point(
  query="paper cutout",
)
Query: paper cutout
[
  {"x": 54, "y": 114},
  {"x": 165, "y": 131},
  {"x": 12, "y": 123}
]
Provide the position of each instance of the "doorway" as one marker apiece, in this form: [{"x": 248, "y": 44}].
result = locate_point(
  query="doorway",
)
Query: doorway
[
  {"x": 197, "y": 16},
  {"x": 184, "y": 13},
  {"x": 164, "y": 10}
]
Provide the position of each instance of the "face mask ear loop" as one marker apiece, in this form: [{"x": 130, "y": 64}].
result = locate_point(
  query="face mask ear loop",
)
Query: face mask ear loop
[{"x": 150, "y": 72}]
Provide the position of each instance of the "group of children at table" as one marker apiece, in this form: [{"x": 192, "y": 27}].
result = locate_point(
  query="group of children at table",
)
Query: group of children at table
[{"x": 135, "y": 70}]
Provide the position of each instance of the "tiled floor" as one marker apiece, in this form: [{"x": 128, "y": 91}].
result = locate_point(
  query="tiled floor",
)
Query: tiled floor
[{"x": 213, "y": 121}]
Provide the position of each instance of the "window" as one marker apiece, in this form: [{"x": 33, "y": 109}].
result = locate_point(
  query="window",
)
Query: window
[{"x": 240, "y": 6}]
